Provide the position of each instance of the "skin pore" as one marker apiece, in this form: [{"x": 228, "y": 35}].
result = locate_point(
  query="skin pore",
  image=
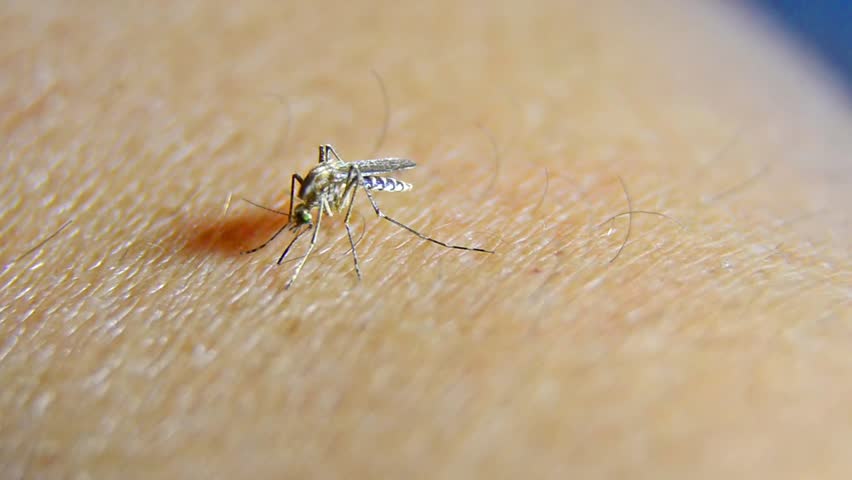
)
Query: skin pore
[{"x": 138, "y": 342}]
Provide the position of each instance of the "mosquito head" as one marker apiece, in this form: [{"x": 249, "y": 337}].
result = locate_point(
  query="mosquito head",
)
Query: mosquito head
[{"x": 302, "y": 216}]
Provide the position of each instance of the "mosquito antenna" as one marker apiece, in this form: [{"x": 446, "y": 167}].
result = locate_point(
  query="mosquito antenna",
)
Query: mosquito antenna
[
  {"x": 279, "y": 212},
  {"x": 386, "y": 122}
]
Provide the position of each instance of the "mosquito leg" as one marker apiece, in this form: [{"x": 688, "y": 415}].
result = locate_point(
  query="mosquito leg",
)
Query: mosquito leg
[
  {"x": 324, "y": 151},
  {"x": 381, "y": 214},
  {"x": 246, "y": 252},
  {"x": 330, "y": 149},
  {"x": 351, "y": 182},
  {"x": 308, "y": 253},
  {"x": 290, "y": 245},
  {"x": 295, "y": 178}
]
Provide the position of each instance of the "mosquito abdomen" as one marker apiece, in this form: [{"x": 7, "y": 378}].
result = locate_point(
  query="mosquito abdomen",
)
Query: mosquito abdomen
[{"x": 385, "y": 184}]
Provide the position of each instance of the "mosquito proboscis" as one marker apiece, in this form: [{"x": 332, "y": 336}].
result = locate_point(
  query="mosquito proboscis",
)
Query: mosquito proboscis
[{"x": 330, "y": 187}]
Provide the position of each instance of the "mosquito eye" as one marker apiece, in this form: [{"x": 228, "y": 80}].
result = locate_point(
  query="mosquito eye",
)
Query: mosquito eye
[{"x": 306, "y": 217}]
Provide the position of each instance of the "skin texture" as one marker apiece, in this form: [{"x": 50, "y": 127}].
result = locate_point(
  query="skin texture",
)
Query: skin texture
[{"x": 138, "y": 343}]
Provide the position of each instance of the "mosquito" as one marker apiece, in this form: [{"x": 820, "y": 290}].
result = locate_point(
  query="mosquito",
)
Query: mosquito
[{"x": 330, "y": 187}]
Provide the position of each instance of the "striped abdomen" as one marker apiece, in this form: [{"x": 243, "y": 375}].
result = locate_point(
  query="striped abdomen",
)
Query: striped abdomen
[{"x": 385, "y": 184}]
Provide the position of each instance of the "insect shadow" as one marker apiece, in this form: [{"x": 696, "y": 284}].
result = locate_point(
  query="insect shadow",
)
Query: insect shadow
[
  {"x": 229, "y": 235},
  {"x": 234, "y": 232}
]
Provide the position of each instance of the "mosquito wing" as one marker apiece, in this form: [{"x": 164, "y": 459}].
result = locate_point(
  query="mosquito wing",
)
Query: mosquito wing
[{"x": 383, "y": 165}]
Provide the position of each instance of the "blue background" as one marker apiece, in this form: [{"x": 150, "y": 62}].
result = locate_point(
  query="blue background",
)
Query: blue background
[{"x": 824, "y": 27}]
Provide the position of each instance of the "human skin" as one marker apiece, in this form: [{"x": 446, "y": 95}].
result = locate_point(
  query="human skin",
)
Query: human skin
[{"x": 138, "y": 342}]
